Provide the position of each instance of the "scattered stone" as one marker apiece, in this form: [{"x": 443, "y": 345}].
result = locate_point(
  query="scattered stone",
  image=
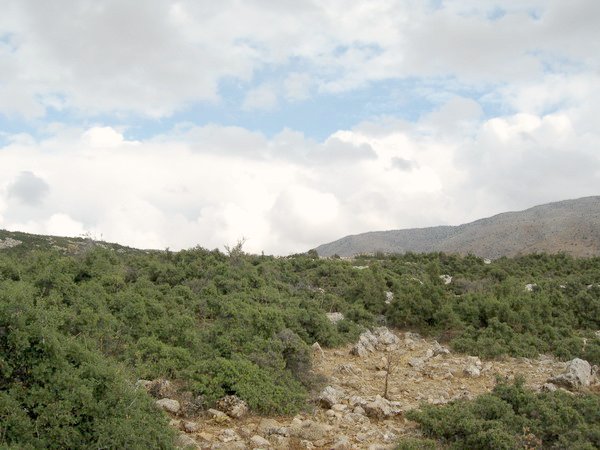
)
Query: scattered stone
[
  {"x": 487, "y": 261},
  {"x": 228, "y": 435},
  {"x": 381, "y": 408},
  {"x": 259, "y": 442},
  {"x": 342, "y": 443},
  {"x": 268, "y": 426},
  {"x": 335, "y": 317},
  {"x": 185, "y": 441},
  {"x": 218, "y": 416},
  {"x": 472, "y": 371},
  {"x": 330, "y": 396},
  {"x": 439, "y": 349},
  {"x": 309, "y": 430},
  {"x": 578, "y": 374},
  {"x": 190, "y": 427},
  {"x": 169, "y": 405},
  {"x": 233, "y": 406}
]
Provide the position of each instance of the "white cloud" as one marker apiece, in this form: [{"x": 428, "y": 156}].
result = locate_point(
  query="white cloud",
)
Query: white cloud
[
  {"x": 194, "y": 186},
  {"x": 107, "y": 56},
  {"x": 262, "y": 98}
]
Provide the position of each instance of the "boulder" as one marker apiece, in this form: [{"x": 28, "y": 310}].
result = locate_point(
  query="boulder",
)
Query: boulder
[
  {"x": 317, "y": 350},
  {"x": 381, "y": 408},
  {"x": 218, "y": 416},
  {"x": 233, "y": 406},
  {"x": 190, "y": 427},
  {"x": 268, "y": 426},
  {"x": 259, "y": 442},
  {"x": 228, "y": 435},
  {"x": 578, "y": 374},
  {"x": 365, "y": 345},
  {"x": 330, "y": 396},
  {"x": 439, "y": 349},
  {"x": 169, "y": 405},
  {"x": 472, "y": 371},
  {"x": 385, "y": 337},
  {"x": 309, "y": 430},
  {"x": 185, "y": 441}
]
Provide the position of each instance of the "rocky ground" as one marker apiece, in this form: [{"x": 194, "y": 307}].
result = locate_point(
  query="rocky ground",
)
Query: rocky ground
[{"x": 352, "y": 413}]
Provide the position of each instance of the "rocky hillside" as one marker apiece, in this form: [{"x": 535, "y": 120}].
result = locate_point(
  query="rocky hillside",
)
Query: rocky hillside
[
  {"x": 570, "y": 226},
  {"x": 351, "y": 413}
]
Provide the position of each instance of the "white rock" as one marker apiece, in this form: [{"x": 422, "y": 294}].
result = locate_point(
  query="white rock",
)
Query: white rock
[
  {"x": 335, "y": 317},
  {"x": 330, "y": 396},
  {"x": 169, "y": 405},
  {"x": 577, "y": 374},
  {"x": 233, "y": 406},
  {"x": 472, "y": 371},
  {"x": 228, "y": 435},
  {"x": 259, "y": 442},
  {"x": 446, "y": 279}
]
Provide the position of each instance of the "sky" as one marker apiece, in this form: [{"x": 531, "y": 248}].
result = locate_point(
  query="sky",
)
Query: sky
[{"x": 171, "y": 124}]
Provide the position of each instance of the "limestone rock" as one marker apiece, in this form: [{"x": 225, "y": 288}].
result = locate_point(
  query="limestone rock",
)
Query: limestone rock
[
  {"x": 472, "y": 371},
  {"x": 233, "y": 406},
  {"x": 578, "y": 374},
  {"x": 218, "y": 416},
  {"x": 317, "y": 350},
  {"x": 365, "y": 345},
  {"x": 309, "y": 430},
  {"x": 190, "y": 427},
  {"x": 335, "y": 317},
  {"x": 330, "y": 396},
  {"x": 228, "y": 435},
  {"x": 259, "y": 442},
  {"x": 169, "y": 405},
  {"x": 342, "y": 443},
  {"x": 381, "y": 408},
  {"x": 268, "y": 426},
  {"x": 185, "y": 441}
]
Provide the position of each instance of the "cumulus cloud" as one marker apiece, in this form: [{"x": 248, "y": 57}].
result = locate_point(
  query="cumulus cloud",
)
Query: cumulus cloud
[
  {"x": 28, "y": 189},
  {"x": 193, "y": 186}
]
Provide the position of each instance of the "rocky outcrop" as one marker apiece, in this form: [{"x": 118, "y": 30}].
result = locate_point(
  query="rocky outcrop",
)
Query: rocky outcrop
[
  {"x": 233, "y": 406},
  {"x": 380, "y": 339},
  {"x": 577, "y": 374},
  {"x": 330, "y": 396}
]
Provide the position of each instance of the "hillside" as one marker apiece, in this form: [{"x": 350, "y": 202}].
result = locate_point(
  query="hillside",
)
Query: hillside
[
  {"x": 99, "y": 342},
  {"x": 570, "y": 226}
]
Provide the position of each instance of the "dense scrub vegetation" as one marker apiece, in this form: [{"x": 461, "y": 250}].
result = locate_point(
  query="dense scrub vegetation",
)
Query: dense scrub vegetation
[
  {"x": 77, "y": 330},
  {"x": 513, "y": 417}
]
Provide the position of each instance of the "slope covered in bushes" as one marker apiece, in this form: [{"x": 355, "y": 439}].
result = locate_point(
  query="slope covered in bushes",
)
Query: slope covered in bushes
[{"x": 77, "y": 330}]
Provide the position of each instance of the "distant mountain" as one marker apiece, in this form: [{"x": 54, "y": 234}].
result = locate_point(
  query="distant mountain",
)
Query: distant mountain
[{"x": 570, "y": 226}]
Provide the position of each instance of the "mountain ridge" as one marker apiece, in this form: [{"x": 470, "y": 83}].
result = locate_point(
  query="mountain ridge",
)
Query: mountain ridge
[{"x": 569, "y": 226}]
